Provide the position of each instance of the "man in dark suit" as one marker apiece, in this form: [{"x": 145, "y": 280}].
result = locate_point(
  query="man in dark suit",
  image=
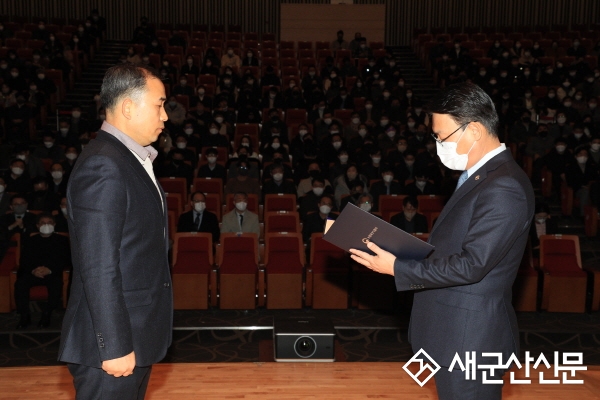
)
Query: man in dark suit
[
  {"x": 387, "y": 185},
  {"x": 4, "y": 198},
  {"x": 315, "y": 222},
  {"x": 277, "y": 184},
  {"x": 409, "y": 220},
  {"x": 464, "y": 302},
  {"x": 43, "y": 259},
  {"x": 120, "y": 313},
  {"x": 19, "y": 221},
  {"x": 198, "y": 219}
]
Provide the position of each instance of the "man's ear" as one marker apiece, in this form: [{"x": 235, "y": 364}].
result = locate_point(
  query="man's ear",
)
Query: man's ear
[
  {"x": 127, "y": 108},
  {"x": 477, "y": 130}
]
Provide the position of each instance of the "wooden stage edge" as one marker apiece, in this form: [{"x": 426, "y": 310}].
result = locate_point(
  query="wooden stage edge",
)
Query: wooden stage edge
[{"x": 270, "y": 380}]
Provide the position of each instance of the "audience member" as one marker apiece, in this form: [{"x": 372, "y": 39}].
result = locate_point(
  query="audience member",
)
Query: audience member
[
  {"x": 199, "y": 219},
  {"x": 240, "y": 219},
  {"x": 409, "y": 220},
  {"x": 44, "y": 256}
]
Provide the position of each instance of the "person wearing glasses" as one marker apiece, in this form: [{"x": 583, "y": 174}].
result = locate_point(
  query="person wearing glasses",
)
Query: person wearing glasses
[{"x": 463, "y": 303}]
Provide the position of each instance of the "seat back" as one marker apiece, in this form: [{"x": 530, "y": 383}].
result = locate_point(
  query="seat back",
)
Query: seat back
[
  {"x": 280, "y": 202},
  {"x": 238, "y": 253},
  {"x": 389, "y": 203},
  {"x": 209, "y": 185},
  {"x": 192, "y": 253},
  {"x": 429, "y": 204},
  {"x": 326, "y": 257},
  {"x": 174, "y": 185},
  {"x": 174, "y": 203},
  {"x": 560, "y": 253},
  {"x": 284, "y": 253},
  {"x": 278, "y": 221}
]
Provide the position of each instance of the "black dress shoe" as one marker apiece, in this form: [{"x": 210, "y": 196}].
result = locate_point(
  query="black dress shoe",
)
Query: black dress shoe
[
  {"x": 45, "y": 320},
  {"x": 24, "y": 321}
]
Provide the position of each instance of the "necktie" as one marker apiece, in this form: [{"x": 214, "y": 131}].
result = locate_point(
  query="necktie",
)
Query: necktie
[
  {"x": 463, "y": 177},
  {"x": 241, "y": 220},
  {"x": 197, "y": 222}
]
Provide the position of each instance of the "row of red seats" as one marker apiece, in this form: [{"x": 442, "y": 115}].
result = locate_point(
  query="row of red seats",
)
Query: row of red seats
[{"x": 564, "y": 283}]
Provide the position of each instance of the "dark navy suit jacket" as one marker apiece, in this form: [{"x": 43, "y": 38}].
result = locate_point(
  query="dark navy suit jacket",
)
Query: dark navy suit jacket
[
  {"x": 466, "y": 284},
  {"x": 121, "y": 296}
]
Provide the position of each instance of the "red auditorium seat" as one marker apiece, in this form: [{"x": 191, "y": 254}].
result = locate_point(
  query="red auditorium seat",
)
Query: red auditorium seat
[
  {"x": 237, "y": 259},
  {"x": 193, "y": 271},
  {"x": 525, "y": 287},
  {"x": 282, "y": 221},
  {"x": 280, "y": 202},
  {"x": 565, "y": 282},
  {"x": 328, "y": 275},
  {"x": 284, "y": 268}
]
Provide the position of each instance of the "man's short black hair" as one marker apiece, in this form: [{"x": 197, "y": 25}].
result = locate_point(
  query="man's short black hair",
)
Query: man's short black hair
[
  {"x": 18, "y": 196},
  {"x": 466, "y": 102},
  {"x": 124, "y": 79},
  {"x": 412, "y": 200},
  {"x": 195, "y": 193},
  {"x": 45, "y": 215}
]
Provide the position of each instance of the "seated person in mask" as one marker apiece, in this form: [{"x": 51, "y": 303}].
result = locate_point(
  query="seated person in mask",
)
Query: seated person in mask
[
  {"x": 386, "y": 186},
  {"x": 277, "y": 184},
  {"x": 242, "y": 182},
  {"x": 42, "y": 199},
  {"x": 356, "y": 190},
  {"x": 315, "y": 222},
  {"x": 43, "y": 259},
  {"x": 212, "y": 169},
  {"x": 19, "y": 221},
  {"x": 240, "y": 219},
  {"x": 365, "y": 202},
  {"x": 409, "y": 220},
  {"x": 198, "y": 219},
  {"x": 58, "y": 183},
  {"x": 176, "y": 167},
  {"x": 310, "y": 201},
  {"x": 17, "y": 178},
  {"x": 313, "y": 171},
  {"x": 543, "y": 224},
  {"x": 345, "y": 182},
  {"x": 421, "y": 185}
]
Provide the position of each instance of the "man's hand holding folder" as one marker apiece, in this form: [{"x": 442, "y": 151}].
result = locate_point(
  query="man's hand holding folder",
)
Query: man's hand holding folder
[{"x": 382, "y": 261}]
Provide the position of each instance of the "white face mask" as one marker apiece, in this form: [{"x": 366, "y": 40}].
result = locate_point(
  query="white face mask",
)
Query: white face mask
[
  {"x": 324, "y": 209},
  {"x": 302, "y": 132},
  {"x": 71, "y": 156},
  {"x": 561, "y": 148},
  {"x": 337, "y": 145},
  {"x": 2, "y": 187},
  {"x": 391, "y": 134},
  {"x": 275, "y": 145},
  {"x": 57, "y": 174},
  {"x": 241, "y": 206},
  {"x": 376, "y": 160},
  {"x": 449, "y": 157},
  {"x": 318, "y": 191},
  {"x": 278, "y": 177},
  {"x": 76, "y": 114},
  {"x": 214, "y": 131},
  {"x": 188, "y": 131},
  {"x": 595, "y": 146},
  {"x": 46, "y": 229},
  {"x": 421, "y": 184},
  {"x": 219, "y": 120},
  {"x": 582, "y": 159},
  {"x": 410, "y": 125},
  {"x": 22, "y": 157},
  {"x": 48, "y": 144},
  {"x": 64, "y": 211},
  {"x": 356, "y": 121},
  {"x": 388, "y": 178},
  {"x": 344, "y": 158},
  {"x": 200, "y": 206},
  {"x": 211, "y": 160},
  {"x": 17, "y": 171},
  {"x": 578, "y": 135},
  {"x": 362, "y": 132},
  {"x": 181, "y": 145},
  {"x": 365, "y": 207}
]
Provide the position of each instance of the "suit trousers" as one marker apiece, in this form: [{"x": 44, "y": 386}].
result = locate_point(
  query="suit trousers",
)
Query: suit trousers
[
  {"x": 95, "y": 384},
  {"x": 454, "y": 386},
  {"x": 27, "y": 281}
]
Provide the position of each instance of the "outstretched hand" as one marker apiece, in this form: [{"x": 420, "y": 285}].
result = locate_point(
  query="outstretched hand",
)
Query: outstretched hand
[{"x": 382, "y": 261}]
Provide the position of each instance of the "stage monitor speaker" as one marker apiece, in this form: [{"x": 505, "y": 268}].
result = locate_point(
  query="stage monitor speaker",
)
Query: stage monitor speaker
[{"x": 303, "y": 339}]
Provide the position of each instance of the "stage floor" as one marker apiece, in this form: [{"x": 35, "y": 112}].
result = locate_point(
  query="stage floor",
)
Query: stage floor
[{"x": 280, "y": 381}]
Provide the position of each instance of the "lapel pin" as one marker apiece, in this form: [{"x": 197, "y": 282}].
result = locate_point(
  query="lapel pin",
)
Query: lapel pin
[{"x": 477, "y": 178}]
